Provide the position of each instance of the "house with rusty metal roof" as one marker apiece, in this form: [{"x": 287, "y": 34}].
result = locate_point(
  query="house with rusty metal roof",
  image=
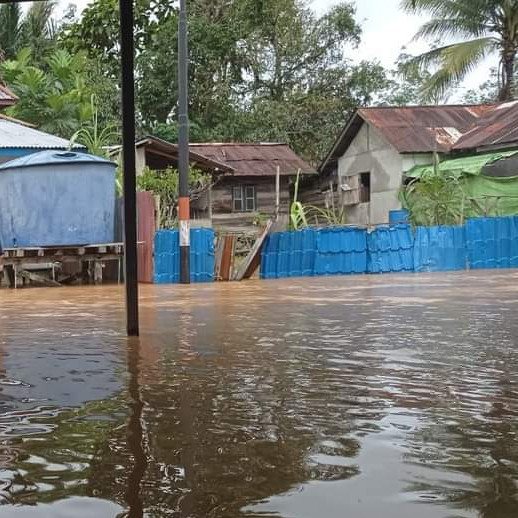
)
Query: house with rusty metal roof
[
  {"x": 238, "y": 198},
  {"x": 365, "y": 168},
  {"x": 7, "y": 98}
]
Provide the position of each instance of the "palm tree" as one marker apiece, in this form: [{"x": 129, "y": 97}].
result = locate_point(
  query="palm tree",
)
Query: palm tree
[
  {"x": 483, "y": 26},
  {"x": 10, "y": 24},
  {"x": 35, "y": 30}
]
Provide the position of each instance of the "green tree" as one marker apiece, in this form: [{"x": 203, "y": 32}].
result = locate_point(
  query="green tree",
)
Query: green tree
[
  {"x": 406, "y": 84},
  {"x": 55, "y": 97},
  {"x": 482, "y": 26},
  {"x": 35, "y": 30},
  {"x": 268, "y": 70}
]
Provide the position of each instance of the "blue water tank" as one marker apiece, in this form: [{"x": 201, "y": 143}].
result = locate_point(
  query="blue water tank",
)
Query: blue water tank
[
  {"x": 57, "y": 198},
  {"x": 398, "y": 216}
]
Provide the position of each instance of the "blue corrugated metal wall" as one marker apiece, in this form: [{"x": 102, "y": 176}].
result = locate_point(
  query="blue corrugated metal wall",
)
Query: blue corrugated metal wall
[
  {"x": 341, "y": 251},
  {"x": 167, "y": 256},
  {"x": 391, "y": 249},
  {"x": 481, "y": 243},
  {"x": 289, "y": 254},
  {"x": 492, "y": 242},
  {"x": 440, "y": 249}
]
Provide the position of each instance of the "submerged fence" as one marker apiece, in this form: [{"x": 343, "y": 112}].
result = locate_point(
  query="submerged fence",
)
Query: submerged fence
[
  {"x": 481, "y": 243},
  {"x": 167, "y": 256}
]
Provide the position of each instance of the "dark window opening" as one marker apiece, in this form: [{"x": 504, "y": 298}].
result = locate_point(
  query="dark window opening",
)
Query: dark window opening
[
  {"x": 365, "y": 187},
  {"x": 243, "y": 198}
]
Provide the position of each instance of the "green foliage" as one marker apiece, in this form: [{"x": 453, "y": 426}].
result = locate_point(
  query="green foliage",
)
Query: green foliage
[
  {"x": 35, "y": 30},
  {"x": 165, "y": 184},
  {"x": 329, "y": 216},
  {"x": 298, "y": 218},
  {"x": 53, "y": 97},
  {"x": 435, "y": 199},
  {"x": 405, "y": 85},
  {"x": 269, "y": 70},
  {"x": 478, "y": 28},
  {"x": 93, "y": 137}
]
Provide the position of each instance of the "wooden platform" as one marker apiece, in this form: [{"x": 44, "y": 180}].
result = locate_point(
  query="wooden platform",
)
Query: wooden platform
[{"x": 25, "y": 264}]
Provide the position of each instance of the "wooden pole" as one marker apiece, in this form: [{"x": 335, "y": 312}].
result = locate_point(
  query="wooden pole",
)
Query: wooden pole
[{"x": 277, "y": 192}]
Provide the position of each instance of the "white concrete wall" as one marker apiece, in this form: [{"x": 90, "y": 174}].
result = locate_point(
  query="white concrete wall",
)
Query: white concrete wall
[
  {"x": 370, "y": 152},
  {"x": 409, "y": 161}
]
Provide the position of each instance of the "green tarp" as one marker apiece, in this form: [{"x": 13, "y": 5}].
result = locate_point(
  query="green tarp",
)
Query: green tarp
[
  {"x": 471, "y": 165},
  {"x": 486, "y": 195}
]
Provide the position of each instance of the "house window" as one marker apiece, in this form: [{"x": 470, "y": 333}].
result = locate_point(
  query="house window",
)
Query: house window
[
  {"x": 365, "y": 187},
  {"x": 243, "y": 198}
]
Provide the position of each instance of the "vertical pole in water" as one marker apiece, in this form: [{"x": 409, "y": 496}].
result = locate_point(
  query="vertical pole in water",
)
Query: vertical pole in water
[
  {"x": 277, "y": 192},
  {"x": 129, "y": 169},
  {"x": 183, "y": 147}
]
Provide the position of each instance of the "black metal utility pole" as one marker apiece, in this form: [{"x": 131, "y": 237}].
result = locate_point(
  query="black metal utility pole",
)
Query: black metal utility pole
[
  {"x": 183, "y": 146},
  {"x": 129, "y": 169}
]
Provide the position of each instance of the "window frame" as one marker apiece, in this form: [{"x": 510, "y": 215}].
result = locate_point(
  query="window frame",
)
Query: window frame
[
  {"x": 244, "y": 198},
  {"x": 365, "y": 186}
]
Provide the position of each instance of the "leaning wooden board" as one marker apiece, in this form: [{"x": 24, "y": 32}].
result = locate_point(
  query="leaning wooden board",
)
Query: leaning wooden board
[{"x": 253, "y": 259}]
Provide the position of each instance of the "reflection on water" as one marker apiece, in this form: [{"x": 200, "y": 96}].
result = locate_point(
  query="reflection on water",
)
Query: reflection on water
[{"x": 391, "y": 396}]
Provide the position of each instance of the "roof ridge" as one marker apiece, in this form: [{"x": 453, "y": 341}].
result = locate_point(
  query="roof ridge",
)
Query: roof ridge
[
  {"x": 431, "y": 106},
  {"x": 215, "y": 144},
  {"x": 16, "y": 121}
]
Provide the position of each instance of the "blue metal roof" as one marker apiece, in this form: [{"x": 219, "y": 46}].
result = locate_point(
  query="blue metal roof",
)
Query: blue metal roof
[{"x": 53, "y": 158}]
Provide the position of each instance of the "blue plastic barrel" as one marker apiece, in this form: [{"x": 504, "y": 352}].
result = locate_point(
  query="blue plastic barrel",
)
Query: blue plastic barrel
[{"x": 398, "y": 216}]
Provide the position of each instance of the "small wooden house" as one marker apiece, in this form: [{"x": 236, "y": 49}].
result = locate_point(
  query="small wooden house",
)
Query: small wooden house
[{"x": 249, "y": 193}]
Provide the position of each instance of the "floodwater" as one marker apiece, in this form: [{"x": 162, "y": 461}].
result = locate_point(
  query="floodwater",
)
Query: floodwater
[{"x": 347, "y": 397}]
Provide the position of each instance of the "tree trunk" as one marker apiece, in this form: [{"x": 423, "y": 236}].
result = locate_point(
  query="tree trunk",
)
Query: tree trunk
[{"x": 507, "y": 87}]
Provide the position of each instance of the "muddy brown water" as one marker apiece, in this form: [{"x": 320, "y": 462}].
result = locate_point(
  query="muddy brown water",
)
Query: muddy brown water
[{"x": 347, "y": 397}]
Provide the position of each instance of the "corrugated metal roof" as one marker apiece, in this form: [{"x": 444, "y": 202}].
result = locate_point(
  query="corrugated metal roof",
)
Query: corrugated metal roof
[
  {"x": 17, "y": 135},
  {"x": 417, "y": 129},
  {"x": 7, "y": 98},
  {"x": 170, "y": 151},
  {"x": 497, "y": 127},
  {"x": 255, "y": 159},
  {"x": 413, "y": 129}
]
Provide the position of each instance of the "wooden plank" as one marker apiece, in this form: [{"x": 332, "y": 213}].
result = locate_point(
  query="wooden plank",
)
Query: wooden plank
[
  {"x": 251, "y": 262},
  {"x": 38, "y": 279},
  {"x": 218, "y": 254},
  {"x": 227, "y": 258}
]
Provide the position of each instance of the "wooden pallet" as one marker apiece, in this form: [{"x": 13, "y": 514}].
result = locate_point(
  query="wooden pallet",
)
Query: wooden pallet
[{"x": 19, "y": 262}]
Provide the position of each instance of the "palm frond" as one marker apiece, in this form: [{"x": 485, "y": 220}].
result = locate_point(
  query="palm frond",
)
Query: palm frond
[
  {"x": 460, "y": 9},
  {"x": 10, "y": 20},
  {"x": 439, "y": 28},
  {"x": 454, "y": 62}
]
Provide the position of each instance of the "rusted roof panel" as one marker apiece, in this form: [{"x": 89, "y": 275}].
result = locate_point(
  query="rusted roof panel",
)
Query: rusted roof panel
[
  {"x": 7, "y": 98},
  {"x": 255, "y": 159},
  {"x": 497, "y": 127},
  {"x": 417, "y": 129}
]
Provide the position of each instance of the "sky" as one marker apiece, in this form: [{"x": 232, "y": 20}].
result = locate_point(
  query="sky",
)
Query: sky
[{"x": 386, "y": 30}]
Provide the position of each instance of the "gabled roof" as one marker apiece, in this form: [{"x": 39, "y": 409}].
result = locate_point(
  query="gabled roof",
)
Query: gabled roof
[
  {"x": 18, "y": 135},
  {"x": 167, "y": 153},
  {"x": 412, "y": 129},
  {"x": 497, "y": 127},
  {"x": 260, "y": 159},
  {"x": 7, "y": 98}
]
